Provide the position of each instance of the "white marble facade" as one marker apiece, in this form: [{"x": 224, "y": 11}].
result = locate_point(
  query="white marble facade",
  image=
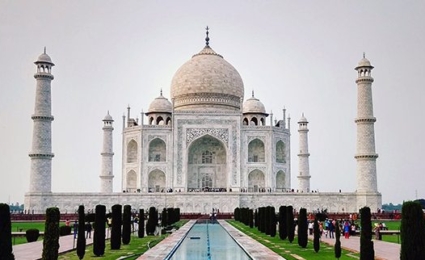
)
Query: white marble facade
[{"x": 205, "y": 147}]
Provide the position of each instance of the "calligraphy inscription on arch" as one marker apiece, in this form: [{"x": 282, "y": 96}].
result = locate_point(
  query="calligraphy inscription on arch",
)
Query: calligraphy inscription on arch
[{"x": 220, "y": 133}]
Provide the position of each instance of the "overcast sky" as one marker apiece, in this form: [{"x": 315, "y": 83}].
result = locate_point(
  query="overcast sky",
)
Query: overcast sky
[{"x": 295, "y": 54}]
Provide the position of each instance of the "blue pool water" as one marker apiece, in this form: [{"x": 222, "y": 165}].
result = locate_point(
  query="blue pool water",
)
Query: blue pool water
[{"x": 208, "y": 241}]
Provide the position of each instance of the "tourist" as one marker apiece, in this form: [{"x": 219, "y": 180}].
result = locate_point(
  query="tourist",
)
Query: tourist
[
  {"x": 310, "y": 227},
  {"x": 347, "y": 230},
  {"x": 88, "y": 229},
  {"x": 75, "y": 226}
]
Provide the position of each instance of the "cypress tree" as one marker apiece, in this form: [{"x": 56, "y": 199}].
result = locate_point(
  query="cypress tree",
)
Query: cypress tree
[
  {"x": 6, "y": 251},
  {"x": 412, "y": 231},
  {"x": 366, "y": 244},
  {"x": 126, "y": 225},
  {"x": 272, "y": 222},
  {"x": 290, "y": 223},
  {"x": 267, "y": 219},
  {"x": 164, "y": 217},
  {"x": 81, "y": 239},
  {"x": 177, "y": 214},
  {"x": 263, "y": 220},
  {"x": 251, "y": 218},
  {"x": 316, "y": 233},
  {"x": 152, "y": 221},
  {"x": 337, "y": 240},
  {"x": 116, "y": 227},
  {"x": 99, "y": 231},
  {"x": 141, "y": 231},
  {"x": 51, "y": 234},
  {"x": 282, "y": 219},
  {"x": 302, "y": 228}
]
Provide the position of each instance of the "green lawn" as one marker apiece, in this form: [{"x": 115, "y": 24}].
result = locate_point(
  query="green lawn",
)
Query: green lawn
[
  {"x": 287, "y": 250},
  {"x": 137, "y": 247}
]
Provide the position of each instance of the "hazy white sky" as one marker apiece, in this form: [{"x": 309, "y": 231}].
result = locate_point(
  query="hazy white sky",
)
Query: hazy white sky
[{"x": 297, "y": 54}]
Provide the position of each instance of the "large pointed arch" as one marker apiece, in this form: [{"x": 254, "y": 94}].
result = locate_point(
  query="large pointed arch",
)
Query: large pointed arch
[
  {"x": 207, "y": 164},
  {"x": 132, "y": 152},
  {"x": 157, "y": 150},
  {"x": 131, "y": 181},
  {"x": 256, "y": 180},
  {"x": 256, "y": 151},
  {"x": 156, "y": 181}
]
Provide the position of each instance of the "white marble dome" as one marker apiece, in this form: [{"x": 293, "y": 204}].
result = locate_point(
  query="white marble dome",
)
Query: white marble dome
[
  {"x": 207, "y": 81},
  {"x": 254, "y": 106},
  {"x": 160, "y": 105}
]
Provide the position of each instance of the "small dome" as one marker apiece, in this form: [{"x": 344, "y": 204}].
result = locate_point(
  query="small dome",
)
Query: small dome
[
  {"x": 44, "y": 58},
  {"x": 108, "y": 117},
  {"x": 160, "y": 105},
  {"x": 364, "y": 63},
  {"x": 254, "y": 106},
  {"x": 303, "y": 119}
]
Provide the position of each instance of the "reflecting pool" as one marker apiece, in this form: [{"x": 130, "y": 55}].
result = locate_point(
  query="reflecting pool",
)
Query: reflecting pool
[{"x": 208, "y": 241}]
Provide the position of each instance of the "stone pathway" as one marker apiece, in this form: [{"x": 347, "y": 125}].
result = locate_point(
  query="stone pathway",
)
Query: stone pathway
[
  {"x": 383, "y": 250},
  {"x": 34, "y": 250}
]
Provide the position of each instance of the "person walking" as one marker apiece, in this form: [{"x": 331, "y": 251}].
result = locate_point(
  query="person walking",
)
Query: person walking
[
  {"x": 347, "y": 230},
  {"x": 88, "y": 229}
]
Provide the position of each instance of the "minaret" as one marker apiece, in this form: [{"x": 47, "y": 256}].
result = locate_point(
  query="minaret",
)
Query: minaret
[
  {"x": 304, "y": 168},
  {"x": 41, "y": 153},
  {"x": 365, "y": 154},
  {"x": 106, "y": 174}
]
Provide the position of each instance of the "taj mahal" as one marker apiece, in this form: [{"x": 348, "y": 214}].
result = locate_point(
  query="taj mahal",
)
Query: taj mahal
[{"x": 204, "y": 147}]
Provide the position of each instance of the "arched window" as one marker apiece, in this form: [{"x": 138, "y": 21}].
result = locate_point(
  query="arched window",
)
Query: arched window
[
  {"x": 157, "y": 150},
  {"x": 254, "y": 121},
  {"x": 256, "y": 181},
  {"x": 245, "y": 121},
  {"x": 132, "y": 152},
  {"x": 168, "y": 121},
  {"x": 207, "y": 157},
  {"x": 156, "y": 182},
  {"x": 160, "y": 120},
  {"x": 256, "y": 151},
  {"x": 206, "y": 182},
  {"x": 151, "y": 120},
  {"x": 280, "y": 152}
]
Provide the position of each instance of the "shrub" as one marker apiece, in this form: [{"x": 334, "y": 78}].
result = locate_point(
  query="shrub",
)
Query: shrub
[
  {"x": 366, "y": 244},
  {"x": 302, "y": 228},
  {"x": 64, "y": 231},
  {"x": 51, "y": 234},
  {"x": 165, "y": 217},
  {"x": 290, "y": 223},
  {"x": 126, "y": 228},
  {"x": 412, "y": 231},
  {"x": 116, "y": 227},
  {"x": 337, "y": 240},
  {"x": 316, "y": 233},
  {"x": 141, "y": 231},
  {"x": 99, "y": 231},
  {"x": 251, "y": 218},
  {"x": 5, "y": 233},
  {"x": 81, "y": 239},
  {"x": 32, "y": 235}
]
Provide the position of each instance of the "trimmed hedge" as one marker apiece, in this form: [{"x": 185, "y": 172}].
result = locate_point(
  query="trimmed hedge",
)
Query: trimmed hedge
[
  {"x": 316, "y": 233},
  {"x": 6, "y": 251},
  {"x": 51, "y": 234},
  {"x": 283, "y": 231},
  {"x": 99, "y": 231},
  {"x": 366, "y": 244},
  {"x": 116, "y": 227},
  {"x": 302, "y": 228},
  {"x": 290, "y": 223},
  {"x": 81, "y": 239},
  {"x": 152, "y": 221},
  {"x": 32, "y": 235},
  {"x": 412, "y": 231},
  {"x": 337, "y": 240},
  {"x": 64, "y": 231},
  {"x": 126, "y": 225},
  {"x": 141, "y": 231}
]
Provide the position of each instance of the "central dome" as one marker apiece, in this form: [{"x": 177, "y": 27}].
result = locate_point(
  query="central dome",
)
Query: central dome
[{"x": 207, "y": 82}]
